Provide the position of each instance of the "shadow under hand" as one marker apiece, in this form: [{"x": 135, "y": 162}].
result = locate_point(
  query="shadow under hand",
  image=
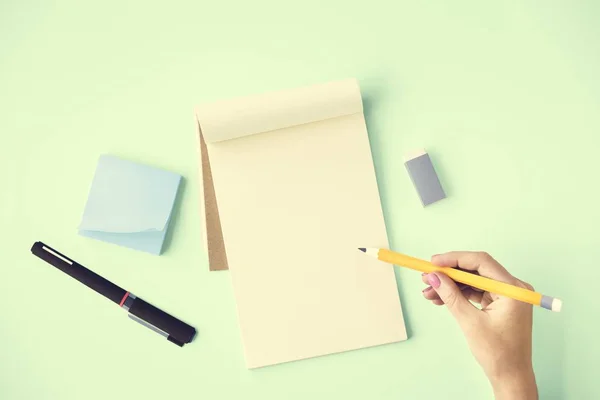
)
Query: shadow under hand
[{"x": 549, "y": 353}]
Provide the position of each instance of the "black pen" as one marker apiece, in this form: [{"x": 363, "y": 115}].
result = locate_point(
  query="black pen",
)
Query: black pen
[{"x": 174, "y": 330}]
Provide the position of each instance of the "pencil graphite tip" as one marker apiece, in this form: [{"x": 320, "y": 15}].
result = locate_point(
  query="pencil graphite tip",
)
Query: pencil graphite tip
[{"x": 362, "y": 249}]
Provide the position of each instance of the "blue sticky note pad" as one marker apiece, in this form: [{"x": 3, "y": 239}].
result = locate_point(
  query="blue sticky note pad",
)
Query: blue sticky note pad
[{"x": 130, "y": 204}]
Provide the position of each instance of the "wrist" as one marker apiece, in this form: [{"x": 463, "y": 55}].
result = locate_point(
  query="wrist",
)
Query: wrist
[{"x": 518, "y": 385}]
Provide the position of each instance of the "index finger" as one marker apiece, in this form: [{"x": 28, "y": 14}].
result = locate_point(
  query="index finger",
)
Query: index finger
[{"x": 481, "y": 262}]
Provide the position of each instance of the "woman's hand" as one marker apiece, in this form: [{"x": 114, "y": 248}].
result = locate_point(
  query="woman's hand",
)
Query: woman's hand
[{"x": 499, "y": 333}]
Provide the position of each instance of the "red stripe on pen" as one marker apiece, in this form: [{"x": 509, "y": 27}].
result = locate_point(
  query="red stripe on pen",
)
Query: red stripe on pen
[{"x": 123, "y": 299}]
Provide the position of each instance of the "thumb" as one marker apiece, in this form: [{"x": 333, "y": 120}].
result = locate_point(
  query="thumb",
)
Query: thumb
[{"x": 451, "y": 295}]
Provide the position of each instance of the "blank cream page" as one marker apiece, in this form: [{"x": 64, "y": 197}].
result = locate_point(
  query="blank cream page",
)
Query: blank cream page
[{"x": 294, "y": 205}]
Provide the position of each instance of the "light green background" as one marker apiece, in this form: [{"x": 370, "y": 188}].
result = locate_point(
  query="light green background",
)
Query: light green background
[{"x": 504, "y": 95}]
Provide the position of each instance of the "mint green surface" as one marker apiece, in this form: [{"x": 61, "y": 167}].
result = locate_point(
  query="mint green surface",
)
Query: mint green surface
[{"x": 504, "y": 95}]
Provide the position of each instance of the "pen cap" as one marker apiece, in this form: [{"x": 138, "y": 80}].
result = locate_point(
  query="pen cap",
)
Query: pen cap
[
  {"x": 179, "y": 331},
  {"x": 77, "y": 271}
]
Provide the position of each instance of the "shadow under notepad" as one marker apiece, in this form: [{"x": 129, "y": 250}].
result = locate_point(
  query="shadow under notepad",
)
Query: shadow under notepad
[{"x": 375, "y": 139}]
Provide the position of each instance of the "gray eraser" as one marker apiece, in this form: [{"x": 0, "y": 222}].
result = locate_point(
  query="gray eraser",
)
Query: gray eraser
[{"x": 423, "y": 176}]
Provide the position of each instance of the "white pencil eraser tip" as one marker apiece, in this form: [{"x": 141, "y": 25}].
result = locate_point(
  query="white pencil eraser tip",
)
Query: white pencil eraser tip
[{"x": 556, "y": 305}]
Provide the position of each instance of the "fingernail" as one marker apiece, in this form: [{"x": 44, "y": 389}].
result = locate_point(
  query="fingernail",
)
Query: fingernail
[
  {"x": 424, "y": 273},
  {"x": 427, "y": 289},
  {"x": 434, "y": 280}
]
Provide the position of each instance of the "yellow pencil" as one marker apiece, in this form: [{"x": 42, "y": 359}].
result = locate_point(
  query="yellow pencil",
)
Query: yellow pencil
[{"x": 476, "y": 281}]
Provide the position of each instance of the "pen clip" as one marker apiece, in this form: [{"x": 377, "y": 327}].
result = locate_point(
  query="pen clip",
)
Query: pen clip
[
  {"x": 148, "y": 325},
  {"x": 56, "y": 254}
]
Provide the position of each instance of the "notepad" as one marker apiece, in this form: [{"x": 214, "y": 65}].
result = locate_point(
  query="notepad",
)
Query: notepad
[
  {"x": 295, "y": 194},
  {"x": 130, "y": 204}
]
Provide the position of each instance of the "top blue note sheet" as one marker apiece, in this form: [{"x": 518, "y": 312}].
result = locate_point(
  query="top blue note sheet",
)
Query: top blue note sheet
[{"x": 130, "y": 204}]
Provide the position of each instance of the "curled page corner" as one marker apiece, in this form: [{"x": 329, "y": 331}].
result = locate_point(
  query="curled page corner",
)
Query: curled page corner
[{"x": 244, "y": 116}]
